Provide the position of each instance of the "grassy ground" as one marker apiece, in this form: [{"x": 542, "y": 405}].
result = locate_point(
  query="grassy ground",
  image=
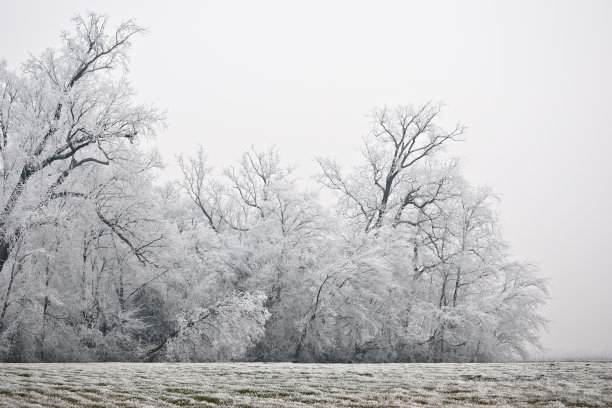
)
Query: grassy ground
[{"x": 303, "y": 385}]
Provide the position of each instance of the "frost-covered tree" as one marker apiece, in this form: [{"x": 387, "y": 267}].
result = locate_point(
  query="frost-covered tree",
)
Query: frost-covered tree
[
  {"x": 93, "y": 265},
  {"x": 100, "y": 262},
  {"x": 223, "y": 331},
  {"x": 449, "y": 265},
  {"x": 65, "y": 116},
  {"x": 464, "y": 265},
  {"x": 62, "y": 114},
  {"x": 398, "y": 180}
]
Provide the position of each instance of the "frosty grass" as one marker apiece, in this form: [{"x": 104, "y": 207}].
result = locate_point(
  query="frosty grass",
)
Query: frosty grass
[{"x": 306, "y": 385}]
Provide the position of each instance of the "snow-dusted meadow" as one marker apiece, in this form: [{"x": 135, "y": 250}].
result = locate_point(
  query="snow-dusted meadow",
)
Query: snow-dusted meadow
[{"x": 300, "y": 385}]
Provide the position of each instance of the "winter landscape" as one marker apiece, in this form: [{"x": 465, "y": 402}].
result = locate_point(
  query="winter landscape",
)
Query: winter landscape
[
  {"x": 305, "y": 385},
  {"x": 159, "y": 248}
]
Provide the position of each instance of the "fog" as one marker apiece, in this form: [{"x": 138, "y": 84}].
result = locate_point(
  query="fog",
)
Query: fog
[{"x": 531, "y": 81}]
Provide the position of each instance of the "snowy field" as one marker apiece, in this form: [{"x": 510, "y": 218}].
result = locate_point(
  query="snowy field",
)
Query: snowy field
[{"x": 306, "y": 385}]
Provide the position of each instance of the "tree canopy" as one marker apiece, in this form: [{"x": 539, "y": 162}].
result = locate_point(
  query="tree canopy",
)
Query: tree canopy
[{"x": 99, "y": 261}]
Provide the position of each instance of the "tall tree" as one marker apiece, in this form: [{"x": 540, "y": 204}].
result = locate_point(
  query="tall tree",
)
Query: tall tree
[
  {"x": 388, "y": 185},
  {"x": 63, "y": 113}
]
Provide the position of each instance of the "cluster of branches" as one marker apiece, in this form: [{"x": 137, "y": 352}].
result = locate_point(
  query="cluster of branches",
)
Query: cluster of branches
[{"x": 97, "y": 262}]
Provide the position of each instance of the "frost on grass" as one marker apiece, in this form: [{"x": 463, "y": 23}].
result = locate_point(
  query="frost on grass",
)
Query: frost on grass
[{"x": 302, "y": 385}]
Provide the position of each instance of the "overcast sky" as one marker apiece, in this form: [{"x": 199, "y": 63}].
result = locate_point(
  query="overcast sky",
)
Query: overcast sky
[{"x": 532, "y": 81}]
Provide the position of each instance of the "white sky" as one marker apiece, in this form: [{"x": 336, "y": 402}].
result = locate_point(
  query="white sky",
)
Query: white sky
[{"x": 531, "y": 80}]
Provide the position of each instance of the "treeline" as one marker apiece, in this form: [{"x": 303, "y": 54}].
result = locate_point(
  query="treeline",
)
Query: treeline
[{"x": 98, "y": 262}]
